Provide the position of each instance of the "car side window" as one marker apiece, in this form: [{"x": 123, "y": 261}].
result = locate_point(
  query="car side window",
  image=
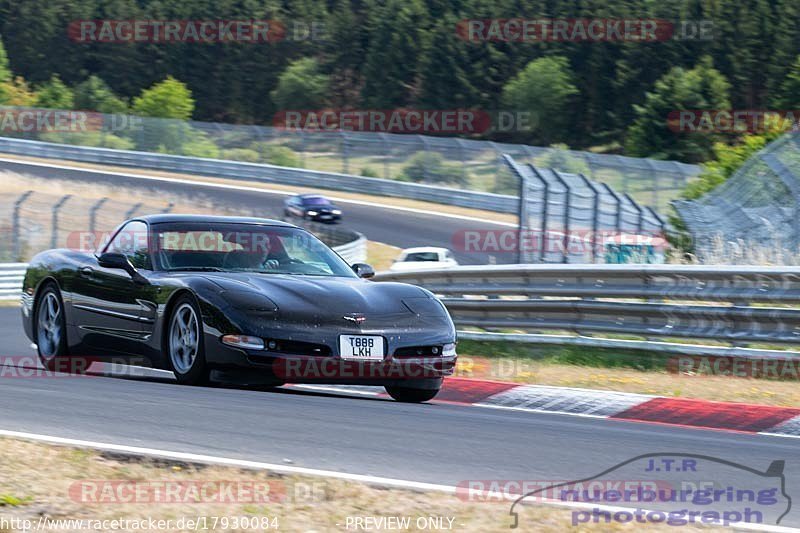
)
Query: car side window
[{"x": 132, "y": 241}]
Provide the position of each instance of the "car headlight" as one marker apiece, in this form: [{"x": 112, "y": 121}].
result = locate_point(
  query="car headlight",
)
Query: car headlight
[
  {"x": 337, "y": 212},
  {"x": 243, "y": 341},
  {"x": 313, "y": 213},
  {"x": 449, "y": 350},
  {"x": 424, "y": 306}
]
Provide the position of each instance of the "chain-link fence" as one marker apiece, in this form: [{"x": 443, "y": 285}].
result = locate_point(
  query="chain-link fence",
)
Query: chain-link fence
[
  {"x": 38, "y": 220},
  {"x": 454, "y": 162},
  {"x": 568, "y": 218},
  {"x": 755, "y": 212}
]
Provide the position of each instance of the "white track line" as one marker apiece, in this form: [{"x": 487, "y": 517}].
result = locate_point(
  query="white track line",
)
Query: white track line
[
  {"x": 284, "y": 469},
  {"x": 250, "y": 189}
]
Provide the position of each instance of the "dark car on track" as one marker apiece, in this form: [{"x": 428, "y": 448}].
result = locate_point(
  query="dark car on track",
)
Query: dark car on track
[
  {"x": 312, "y": 207},
  {"x": 247, "y": 300}
]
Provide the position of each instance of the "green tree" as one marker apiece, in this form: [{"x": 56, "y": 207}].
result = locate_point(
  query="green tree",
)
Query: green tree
[
  {"x": 729, "y": 158},
  {"x": 17, "y": 92},
  {"x": 444, "y": 82},
  {"x": 397, "y": 41},
  {"x": 5, "y": 70},
  {"x": 544, "y": 88},
  {"x": 789, "y": 95},
  {"x": 94, "y": 94},
  {"x": 702, "y": 87},
  {"x": 55, "y": 95},
  {"x": 167, "y": 99},
  {"x": 301, "y": 86}
]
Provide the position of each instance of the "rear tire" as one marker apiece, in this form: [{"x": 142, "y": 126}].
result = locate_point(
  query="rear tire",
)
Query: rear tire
[
  {"x": 185, "y": 343},
  {"x": 409, "y": 395},
  {"x": 50, "y": 329}
]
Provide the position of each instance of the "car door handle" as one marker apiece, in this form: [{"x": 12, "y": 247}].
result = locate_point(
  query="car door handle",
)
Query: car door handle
[{"x": 87, "y": 272}]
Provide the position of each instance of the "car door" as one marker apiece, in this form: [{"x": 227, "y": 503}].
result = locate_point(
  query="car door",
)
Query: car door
[{"x": 111, "y": 310}]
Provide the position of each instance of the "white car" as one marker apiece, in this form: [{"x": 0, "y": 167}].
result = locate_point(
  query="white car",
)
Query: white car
[{"x": 424, "y": 258}]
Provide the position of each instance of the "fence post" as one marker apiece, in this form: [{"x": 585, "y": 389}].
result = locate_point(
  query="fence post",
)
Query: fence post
[
  {"x": 638, "y": 210},
  {"x": 654, "y": 169},
  {"x": 618, "y": 220},
  {"x": 425, "y": 173},
  {"x": 16, "y": 227},
  {"x": 387, "y": 153},
  {"x": 523, "y": 217},
  {"x": 345, "y": 160},
  {"x": 545, "y": 213},
  {"x": 595, "y": 214},
  {"x": 93, "y": 214},
  {"x": 56, "y": 209},
  {"x": 130, "y": 212},
  {"x": 567, "y": 206}
]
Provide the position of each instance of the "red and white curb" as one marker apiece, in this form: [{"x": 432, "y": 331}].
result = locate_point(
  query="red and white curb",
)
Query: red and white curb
[{"x": 686, "y": 412}]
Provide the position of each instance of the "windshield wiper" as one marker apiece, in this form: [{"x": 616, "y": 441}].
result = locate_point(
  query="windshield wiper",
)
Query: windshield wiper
[{"x": 196, "y": 269}]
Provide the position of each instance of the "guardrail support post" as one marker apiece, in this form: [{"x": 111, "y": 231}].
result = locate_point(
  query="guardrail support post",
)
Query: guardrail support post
[
  {"x": 16, "y": 230},
  {"x": 56, "y": 209}
]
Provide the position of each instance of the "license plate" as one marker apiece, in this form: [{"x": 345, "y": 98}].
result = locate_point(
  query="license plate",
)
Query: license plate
[{"x": 361, "y": 347}]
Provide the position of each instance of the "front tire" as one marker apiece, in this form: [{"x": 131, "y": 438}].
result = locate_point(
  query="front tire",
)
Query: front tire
[
  {"x": 409, "y": 395},
  {"x": 51, "y": 329},
  {"x": 185, "y": 343}
]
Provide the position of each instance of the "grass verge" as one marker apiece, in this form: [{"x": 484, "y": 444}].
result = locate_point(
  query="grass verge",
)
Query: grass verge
[{"x": 60, "y": 483}]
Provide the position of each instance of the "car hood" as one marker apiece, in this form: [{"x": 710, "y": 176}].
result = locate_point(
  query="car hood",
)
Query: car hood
[{"x": 318, "y": 296}]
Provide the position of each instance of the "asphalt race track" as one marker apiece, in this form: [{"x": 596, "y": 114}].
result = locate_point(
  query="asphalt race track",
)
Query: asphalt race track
[
  {"x": 434, "y": 443},
  {"x": 394, "y": 227}
]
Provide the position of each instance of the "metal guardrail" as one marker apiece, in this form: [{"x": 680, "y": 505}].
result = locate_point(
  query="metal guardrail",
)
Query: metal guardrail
[
  {"x": 11, "y": 277},
  {"x": 734, "y": 304},
  {"x": 353, "y": 252},
  {"x": 264, "y": 173}
]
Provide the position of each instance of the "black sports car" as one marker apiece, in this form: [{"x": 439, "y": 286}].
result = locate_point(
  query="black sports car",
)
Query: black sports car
[
  {"x": 236, "y": 299},
  {"x": 312, "y": 207}
]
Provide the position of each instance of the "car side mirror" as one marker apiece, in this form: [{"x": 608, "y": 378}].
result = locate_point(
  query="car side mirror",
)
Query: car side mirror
[
  {"x": 121, "y": 261},
  {"x": 363, "y": 270},
  {"x": 114, "y": 260}
]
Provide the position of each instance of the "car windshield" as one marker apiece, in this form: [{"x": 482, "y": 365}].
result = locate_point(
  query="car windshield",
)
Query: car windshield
[
  {"x": 316, "y": 201},
  {"x": 422, "y": 256},
  {"x": 230, "y": 247}
]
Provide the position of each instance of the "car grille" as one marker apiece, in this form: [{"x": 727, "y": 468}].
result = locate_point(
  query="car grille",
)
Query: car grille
[
  {"x": 419, "y": 351},
  {"x": 297, "y": 348}
]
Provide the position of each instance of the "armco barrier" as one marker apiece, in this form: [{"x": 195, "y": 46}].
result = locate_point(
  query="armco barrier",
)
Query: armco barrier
[
  {"x": 734, "y": 304},
  {"x": 11, "y": 276},
  {"x": 264, "y": 173}
]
